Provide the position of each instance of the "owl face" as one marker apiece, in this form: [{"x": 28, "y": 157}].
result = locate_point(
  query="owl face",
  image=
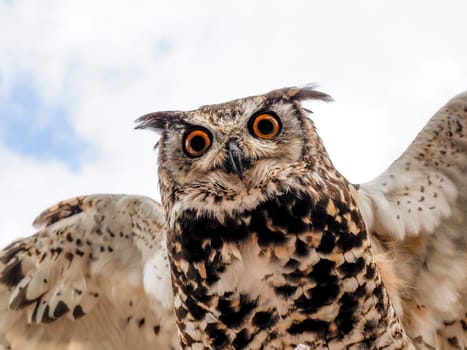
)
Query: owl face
[{"x": 233, "y": 151}]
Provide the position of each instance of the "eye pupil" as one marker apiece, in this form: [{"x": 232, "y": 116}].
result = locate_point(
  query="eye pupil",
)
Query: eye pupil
[
  {"x": 197, "y": 143},
  {"x": 265, "y": 126}
]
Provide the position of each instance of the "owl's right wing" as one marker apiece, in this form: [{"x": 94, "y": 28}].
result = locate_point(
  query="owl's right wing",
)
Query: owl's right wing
[{"x": 96, "y": 276}]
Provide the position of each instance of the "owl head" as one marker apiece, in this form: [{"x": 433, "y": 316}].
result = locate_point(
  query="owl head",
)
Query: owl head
[{"x": 234, "y": 154}]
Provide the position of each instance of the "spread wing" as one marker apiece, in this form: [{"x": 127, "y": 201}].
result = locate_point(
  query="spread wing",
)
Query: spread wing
[
  {"x": 94, "y": 277},
  {"x": 416, "y": 212}
]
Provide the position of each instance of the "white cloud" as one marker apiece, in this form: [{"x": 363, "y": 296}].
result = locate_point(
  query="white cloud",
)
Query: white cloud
[{"x": 389, "y": 67}]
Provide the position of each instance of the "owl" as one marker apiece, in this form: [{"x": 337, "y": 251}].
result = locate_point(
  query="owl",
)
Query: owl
[{"x": 260, "y": 243}]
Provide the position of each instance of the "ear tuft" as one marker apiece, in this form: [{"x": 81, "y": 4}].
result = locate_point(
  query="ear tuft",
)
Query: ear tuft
[
  {"x": 160, "y": 120},
  {"x": 307, "y": 92}
]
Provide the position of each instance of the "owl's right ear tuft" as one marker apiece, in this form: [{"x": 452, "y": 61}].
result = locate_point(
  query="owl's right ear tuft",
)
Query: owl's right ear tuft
[{"x": 161, "y": 120}]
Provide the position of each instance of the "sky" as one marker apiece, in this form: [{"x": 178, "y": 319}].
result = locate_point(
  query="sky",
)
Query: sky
[{"x": 74, "y": 75}]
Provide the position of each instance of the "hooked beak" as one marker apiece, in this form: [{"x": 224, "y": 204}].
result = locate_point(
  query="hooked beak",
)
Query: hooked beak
[{"x": 235, "y": 162}]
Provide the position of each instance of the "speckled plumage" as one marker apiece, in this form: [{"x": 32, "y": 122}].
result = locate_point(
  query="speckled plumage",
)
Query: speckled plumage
[
  {"x": 269, "y": 246},
  {"x": 278, "y": 256},
  {"x": 94, "y": 277}
]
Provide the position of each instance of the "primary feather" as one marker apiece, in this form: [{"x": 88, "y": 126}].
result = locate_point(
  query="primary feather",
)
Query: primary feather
[
  {"x": 94, "y": 277},
  {"x": 416, "y": 213}
]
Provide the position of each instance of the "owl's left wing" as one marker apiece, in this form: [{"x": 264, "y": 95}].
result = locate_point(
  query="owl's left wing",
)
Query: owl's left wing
[
  {"x": 416, "y": 215},
  {"x": 96, "y": 276}
]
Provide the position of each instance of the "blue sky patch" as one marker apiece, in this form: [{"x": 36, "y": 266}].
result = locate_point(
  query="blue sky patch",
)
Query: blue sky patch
[
  {"x": 31, "y": 127},
  {"x": 163, "y": 46}
]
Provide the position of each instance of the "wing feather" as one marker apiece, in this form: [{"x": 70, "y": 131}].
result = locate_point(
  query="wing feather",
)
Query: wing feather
[
  {"x": 93, "y": 277},
  {"x": 416, "y": 212}
]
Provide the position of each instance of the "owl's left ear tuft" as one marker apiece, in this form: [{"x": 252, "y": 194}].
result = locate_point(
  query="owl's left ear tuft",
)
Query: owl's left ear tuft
[
  {"x": 160, "y": 120},
  {"x": 307, "y": 92}
]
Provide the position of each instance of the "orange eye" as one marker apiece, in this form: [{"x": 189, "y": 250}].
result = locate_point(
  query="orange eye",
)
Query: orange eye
[
  {"x": 265, "y": 125},
  {"x": 196, "y": 142}
]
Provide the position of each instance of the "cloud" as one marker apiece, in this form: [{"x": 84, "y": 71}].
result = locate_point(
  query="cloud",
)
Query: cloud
[{"x": 96, "y": 66}]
